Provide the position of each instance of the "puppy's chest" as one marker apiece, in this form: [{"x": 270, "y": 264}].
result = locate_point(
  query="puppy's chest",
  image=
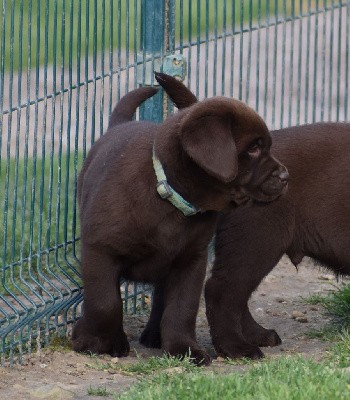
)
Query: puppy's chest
[
  {"x": 171, "y": 239},
  {"x": 157, "y": 250}
]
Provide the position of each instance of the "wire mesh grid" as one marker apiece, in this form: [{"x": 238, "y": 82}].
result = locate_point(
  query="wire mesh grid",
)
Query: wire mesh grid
[{"x": 63, "y": 66}]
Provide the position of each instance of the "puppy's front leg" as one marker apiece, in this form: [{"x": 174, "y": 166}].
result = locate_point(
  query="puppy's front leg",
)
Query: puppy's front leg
[
  {"x": 255, "y": 333},
  {"x": 182, "y": 292},
  {"x": 100, "y": 329},
  {"x": 224, "y": 304}
]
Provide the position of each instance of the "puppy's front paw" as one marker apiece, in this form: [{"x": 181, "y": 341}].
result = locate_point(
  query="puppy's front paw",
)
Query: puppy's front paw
[
  {"x": 269, "y": 338},
  {"x": 239, "y": 351},
  {"x": 151, "y": 339},
  {"x": 120, "y": 346},
  {"x": 197, "y": 355},
  {"x": 84, "y": 341},
  {"x": 200, "y": 357}
]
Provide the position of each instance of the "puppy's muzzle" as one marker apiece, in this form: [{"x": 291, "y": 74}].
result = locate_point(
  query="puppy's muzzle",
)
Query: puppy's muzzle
[{"x": 277, "y": 183}]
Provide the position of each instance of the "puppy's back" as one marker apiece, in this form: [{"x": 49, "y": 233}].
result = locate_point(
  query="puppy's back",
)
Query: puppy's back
[
  {"x": 114, "y": 140},
  {"x": 316, "y": 153}
]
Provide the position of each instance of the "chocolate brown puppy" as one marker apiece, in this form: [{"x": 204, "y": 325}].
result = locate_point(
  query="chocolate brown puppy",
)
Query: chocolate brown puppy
[
  {"x": 312, "y": 219},
  {"x": 149, "y": 197},
  {"x": 259, "y": 177}
]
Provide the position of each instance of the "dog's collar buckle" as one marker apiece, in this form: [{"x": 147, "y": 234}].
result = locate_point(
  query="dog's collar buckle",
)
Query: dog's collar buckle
[{"x": 166, "y": 192}]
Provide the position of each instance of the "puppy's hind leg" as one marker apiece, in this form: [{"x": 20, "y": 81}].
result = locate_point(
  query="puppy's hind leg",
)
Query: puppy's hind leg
[
  {"x": 100, "y": 329},
  {"x": 150, "y": 337}
]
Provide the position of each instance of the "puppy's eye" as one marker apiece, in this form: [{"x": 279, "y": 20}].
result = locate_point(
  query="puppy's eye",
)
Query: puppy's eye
[{"x": 255, "y": 149}]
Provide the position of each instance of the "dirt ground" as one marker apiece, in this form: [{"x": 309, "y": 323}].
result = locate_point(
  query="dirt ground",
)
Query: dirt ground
[{"x": 68, "y": 375}]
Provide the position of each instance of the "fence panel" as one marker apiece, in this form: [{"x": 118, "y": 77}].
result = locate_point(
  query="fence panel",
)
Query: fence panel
[{"x": 63, "y": 66}]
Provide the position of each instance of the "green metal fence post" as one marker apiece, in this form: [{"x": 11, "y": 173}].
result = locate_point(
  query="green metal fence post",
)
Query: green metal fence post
[
  {"x": 152, "y": 46},
  {"x": 157, "y": 39}
]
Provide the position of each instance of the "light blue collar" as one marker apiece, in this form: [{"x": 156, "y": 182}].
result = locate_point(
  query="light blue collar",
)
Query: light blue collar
[{"x": 165, "y": 191}]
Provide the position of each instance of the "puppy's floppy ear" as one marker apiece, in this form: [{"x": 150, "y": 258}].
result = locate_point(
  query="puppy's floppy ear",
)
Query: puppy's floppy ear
[{"x": 208, "y": 140}]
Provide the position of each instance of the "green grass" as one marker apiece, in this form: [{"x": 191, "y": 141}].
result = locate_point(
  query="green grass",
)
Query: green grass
[
  {"x": 339, "y": 354},
  {"x": 239, "y": 361},
  {"x": 337, "y": 305},
  {"x": 29, "y": 343},
  {"x": 314, "y": 299},
  {"x": 56, "y": 29},
  {"x": 88, "y": 27},
  {"x": 327, "y": 333},
  {"x": 98, "y": 391},
  {"x": 289, "y": 378},
  {"x": 147, "y": 366},
  {"x": 39, "y": 213},
  {"x": 60, "y": 343}
]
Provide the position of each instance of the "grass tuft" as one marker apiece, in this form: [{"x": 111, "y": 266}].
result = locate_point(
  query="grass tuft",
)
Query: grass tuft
[
  {"x": 98, "y": 391},
  {"x": 315, "y": 299},
  {"x": 337, "y": 305},
  {"x": 340, "y": 352},
  {"x": 149, "y": 366},
  {"x": 240, "y": 361},
  {"x": 60, "y": 343},
  {"x": 327, "y": 333}
]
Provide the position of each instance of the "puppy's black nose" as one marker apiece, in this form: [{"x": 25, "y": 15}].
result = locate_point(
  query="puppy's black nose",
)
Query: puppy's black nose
[{"x": 284, "y": 175}]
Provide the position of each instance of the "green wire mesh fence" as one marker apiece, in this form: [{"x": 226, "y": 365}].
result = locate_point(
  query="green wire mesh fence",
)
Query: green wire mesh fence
[{"x": 63, "y": 66}]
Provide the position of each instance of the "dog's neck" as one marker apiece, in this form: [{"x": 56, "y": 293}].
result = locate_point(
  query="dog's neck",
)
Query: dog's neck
[
  {"x": 167, "y": 192},
  {"x": 184, "y": 176}
]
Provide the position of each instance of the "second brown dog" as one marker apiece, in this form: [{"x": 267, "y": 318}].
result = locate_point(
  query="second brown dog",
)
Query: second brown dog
[{"x": 313, "y": 220}]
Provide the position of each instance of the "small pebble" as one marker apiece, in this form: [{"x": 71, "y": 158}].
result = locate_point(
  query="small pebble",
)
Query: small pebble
[
  {"x": 297, "y": 314},
  {"x": 115, "y": 360},
  {"x": 173, "y": 370},
  {"x": 220, "y": 359},
  {"x": 259, "y": 311},
  {"x": 112, "y": 371},
  {"x": 301, "y": 319},
  {"x": 326, "y": 277},
  {"x": 280, "y": 300}
]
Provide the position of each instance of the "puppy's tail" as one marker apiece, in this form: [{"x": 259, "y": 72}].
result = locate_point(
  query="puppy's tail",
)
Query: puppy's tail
[
  {"x": 128, "y": 104},
  {"x": 179, "y": 94}
]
